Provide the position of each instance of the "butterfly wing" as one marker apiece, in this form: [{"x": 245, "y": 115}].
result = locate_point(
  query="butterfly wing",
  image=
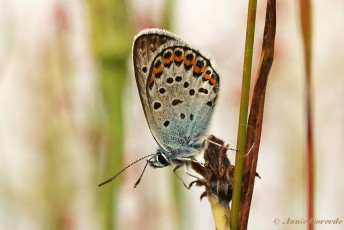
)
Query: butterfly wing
[
  {"x": 146, "y": 46},
  {"x": 178, "y": 90}
]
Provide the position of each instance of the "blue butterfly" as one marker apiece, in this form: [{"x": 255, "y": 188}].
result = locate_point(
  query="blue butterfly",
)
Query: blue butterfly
[{"x": 178, "y": 88}]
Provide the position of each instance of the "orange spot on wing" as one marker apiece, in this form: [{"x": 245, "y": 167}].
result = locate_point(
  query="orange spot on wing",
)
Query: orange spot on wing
[
  {"x": 157, "y": 70},
  {"x": 206, "y": 77},
  {"x": 213, "y": 80},
  {"x": 151, "y": 79},
  {"x": 181, "y": 57},
  {"x": 191, "y": 62},
  {"x": 197, "y": 69},
  {"x": 168, "y": 60}
]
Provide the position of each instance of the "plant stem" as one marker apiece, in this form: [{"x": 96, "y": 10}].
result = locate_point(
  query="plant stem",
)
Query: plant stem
[
  {"x": 220, "y": 212},
  {"x": 239, "y": 161},
  {"x": 306, "y": 28},
  {"x": 255, "y": 120}
]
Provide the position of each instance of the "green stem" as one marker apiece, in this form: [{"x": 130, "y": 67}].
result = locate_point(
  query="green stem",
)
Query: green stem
[{"x": 245, "y": 90}]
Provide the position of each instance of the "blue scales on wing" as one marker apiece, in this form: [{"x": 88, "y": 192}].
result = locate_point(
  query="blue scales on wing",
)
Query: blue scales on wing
[{"x": 178, "y": 89}]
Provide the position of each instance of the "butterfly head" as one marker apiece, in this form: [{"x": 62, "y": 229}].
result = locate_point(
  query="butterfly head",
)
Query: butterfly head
[{"x": 160, "y": 160}]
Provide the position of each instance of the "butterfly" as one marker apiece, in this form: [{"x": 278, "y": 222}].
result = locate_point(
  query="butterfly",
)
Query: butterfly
[{"x": 178, "y": 88}]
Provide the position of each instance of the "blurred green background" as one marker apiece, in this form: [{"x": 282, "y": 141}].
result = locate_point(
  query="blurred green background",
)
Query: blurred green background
[{"x": 70, "y": 114}]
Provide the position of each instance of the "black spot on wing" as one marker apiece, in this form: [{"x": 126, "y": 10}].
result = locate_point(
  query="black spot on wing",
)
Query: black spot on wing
[
  {"x": 162, "y": 90},
  {"x": 158, "y": 75},
  {"x": 157, "y": 64},
  {"x": 176, "y": 102},
  {"x": 167, "y": 55},
  {"x": 179, "y": 78},
  {"x": 192, "y": 92},
  {"x": 189, "y": 57},
  {"x": 166, "y": 123},
  {"x": 178, "y": 63},
  {"x": 200, "y": 63},
  {"x": 156, "y": 105},
  {"x": 203, "y": 90},
  {"x": 169, "y": 80},
  {"x": 177, "y": 53}
]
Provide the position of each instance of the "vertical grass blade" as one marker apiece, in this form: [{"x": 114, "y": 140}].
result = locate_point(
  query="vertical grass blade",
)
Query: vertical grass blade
[
  {"x": 306, "y": 29},
  {"x": 245, "y": 90},
  {"x": 111, "y": 44}
]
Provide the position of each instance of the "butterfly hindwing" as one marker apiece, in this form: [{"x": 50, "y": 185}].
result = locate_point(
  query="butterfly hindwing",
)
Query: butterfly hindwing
[
  {"x": 178, "y": 90},
  {"x": 182, "y": 96}
]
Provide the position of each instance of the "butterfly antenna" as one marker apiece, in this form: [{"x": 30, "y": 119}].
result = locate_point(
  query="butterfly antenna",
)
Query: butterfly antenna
[
  {"x": 144, "y": 169},
  {"x": 126, "y": 167}
]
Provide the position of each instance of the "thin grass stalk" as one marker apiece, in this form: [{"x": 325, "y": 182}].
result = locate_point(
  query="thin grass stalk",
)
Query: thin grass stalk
[
  {"x": 245, "y": 91},
  {"x": 306, "y": 29}
]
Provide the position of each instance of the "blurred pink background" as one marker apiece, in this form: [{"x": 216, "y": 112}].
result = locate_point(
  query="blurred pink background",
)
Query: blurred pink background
[{"x": 53, "y": 117}]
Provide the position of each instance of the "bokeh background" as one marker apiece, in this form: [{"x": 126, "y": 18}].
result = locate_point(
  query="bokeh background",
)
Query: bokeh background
[{"x": 70, "y": 115}]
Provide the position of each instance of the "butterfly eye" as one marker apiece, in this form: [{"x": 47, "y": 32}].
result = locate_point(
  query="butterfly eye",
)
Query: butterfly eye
[{"x": 162, "y": 159}]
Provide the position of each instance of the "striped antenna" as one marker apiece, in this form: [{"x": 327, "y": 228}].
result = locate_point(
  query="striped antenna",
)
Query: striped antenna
[{"x": 112, "y": 178}]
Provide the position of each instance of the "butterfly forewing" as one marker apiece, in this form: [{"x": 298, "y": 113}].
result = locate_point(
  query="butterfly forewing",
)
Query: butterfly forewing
[{"x": 145, "y": 48}]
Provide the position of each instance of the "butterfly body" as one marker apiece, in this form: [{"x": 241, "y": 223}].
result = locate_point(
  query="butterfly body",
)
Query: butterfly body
[{"x": 178, "y": 89}]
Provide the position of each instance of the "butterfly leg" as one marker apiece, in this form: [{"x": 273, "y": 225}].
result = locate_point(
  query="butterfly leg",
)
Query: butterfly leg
[
  {"x": 199, "y": 182},
  {"x": 187, "y": 170},
  {"x": 187, "y": 163},
  {"x": 175, "y": 173},
  {"x": 189, "y": 174},
  {"x": 226, "y": 146},
  {"x": 187, "y": 160}
]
